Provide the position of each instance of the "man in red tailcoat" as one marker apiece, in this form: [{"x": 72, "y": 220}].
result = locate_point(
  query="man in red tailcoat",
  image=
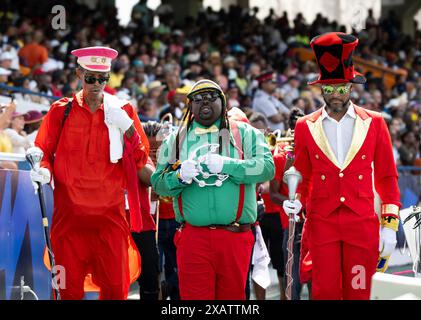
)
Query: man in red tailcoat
[{"x": 342, "y": 149}]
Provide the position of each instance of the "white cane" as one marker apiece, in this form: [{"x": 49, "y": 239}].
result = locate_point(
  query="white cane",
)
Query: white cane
[
  {"x": 156, "y": 212},
  {"x": 292, "y": 178},
  {"x": 157, "y": 220}
]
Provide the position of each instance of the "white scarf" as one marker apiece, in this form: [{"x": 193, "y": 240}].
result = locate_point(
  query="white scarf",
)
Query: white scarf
[
  {"x": 260, "y": 261},
  {"x": 114, "y": 133}
]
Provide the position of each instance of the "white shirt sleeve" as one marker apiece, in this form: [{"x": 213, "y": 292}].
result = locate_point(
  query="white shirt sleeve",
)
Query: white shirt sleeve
[{"x": 265, "y": 107}]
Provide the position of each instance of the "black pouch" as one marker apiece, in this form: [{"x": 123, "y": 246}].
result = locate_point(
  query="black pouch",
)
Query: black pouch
[{"x": 260, "y": 208}]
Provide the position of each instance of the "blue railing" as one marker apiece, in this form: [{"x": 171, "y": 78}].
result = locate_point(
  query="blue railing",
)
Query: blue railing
[{"x": 26, "y": 91}]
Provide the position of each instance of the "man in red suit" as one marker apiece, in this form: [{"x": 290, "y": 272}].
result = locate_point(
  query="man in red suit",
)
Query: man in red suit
[
  {"x": 337, "y": 149},
  {"x": 93, "y": 146}
]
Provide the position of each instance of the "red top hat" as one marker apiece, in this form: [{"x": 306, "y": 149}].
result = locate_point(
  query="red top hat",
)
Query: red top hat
[{"x": 333, "y": 52}]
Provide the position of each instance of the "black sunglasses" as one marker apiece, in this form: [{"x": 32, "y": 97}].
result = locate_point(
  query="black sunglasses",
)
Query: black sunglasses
[
  {"x": 210, "y": 96},
  {"x": 92, "y": 79}
]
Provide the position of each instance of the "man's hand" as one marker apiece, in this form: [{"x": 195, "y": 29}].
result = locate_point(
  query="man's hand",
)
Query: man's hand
[
  {"x": 292, "y": 207},
  {"x": 40, "y": 175},
  {"x": 387, "y": 241},
  {"x": 214, "y": 162},
  {"x": 119, "y": 118},
  {"x": 263, "y": 188},
  {"x": 188, "y": 171}
]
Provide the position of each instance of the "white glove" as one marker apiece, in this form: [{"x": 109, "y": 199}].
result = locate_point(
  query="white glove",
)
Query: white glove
[
  {"x": 119, "y": 118},
  {"x": 188, "y": 170},
  {"x": 41, "y": 175},
  {"x": 214, "y": 162},
  {"x": 292, "y": 207},
  {"x": 387, "y": 241}
]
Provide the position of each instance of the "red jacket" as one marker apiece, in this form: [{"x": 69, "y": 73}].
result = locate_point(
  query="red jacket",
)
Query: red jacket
[{"x": 351, "y": 184}]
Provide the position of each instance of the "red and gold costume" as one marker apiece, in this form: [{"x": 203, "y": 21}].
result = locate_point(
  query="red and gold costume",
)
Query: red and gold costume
[{"x": 342, "y": 226}]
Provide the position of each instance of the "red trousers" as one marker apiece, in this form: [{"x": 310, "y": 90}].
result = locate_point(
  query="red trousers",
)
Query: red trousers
[
  {"x": 101, "y": 252},
  {"x": 344, "y": 252},
  {"x": 212, "y": 263}
]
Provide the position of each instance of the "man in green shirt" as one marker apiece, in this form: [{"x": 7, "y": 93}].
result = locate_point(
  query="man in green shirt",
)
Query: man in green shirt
[{"x": 211, "y": 166}]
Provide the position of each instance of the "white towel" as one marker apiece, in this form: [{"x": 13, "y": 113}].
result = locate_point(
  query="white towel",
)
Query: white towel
[
  {"x": 114, "y": 133},
  {"x": 260, "y": 261}
]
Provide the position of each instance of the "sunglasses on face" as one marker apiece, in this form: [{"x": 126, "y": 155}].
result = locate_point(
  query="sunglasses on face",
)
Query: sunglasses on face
[
  {"x": 339, "y": 89},
  {"x": 210, "y": 96},
  {"x": 92, "y": 79}
]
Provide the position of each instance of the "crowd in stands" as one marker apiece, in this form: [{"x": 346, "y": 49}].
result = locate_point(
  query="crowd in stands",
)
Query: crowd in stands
[{"x": 157, "y": 64}]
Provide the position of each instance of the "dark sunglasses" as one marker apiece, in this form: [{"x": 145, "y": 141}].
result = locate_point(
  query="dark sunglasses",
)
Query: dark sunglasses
[
  {"x": 92, "y": 80},
  {"x": 210, "y": 96}
]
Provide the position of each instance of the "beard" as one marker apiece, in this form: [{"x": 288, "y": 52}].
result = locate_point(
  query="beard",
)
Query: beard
[{"x": 338, "y": 108}]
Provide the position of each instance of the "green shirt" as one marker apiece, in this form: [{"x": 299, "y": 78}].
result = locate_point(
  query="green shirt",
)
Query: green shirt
[{"x": 208, "y": 205}]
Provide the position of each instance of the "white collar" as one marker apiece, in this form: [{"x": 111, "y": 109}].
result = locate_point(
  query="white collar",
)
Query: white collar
[{"x": 350, "y": 112}]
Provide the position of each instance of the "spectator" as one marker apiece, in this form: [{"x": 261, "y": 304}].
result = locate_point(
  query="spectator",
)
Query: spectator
[
  {"x": 232, "y": 94},
  {"x": 34, "y": 53},
  {"x": 33, "y": 119},
  {"x": 6, "y": 59},
  {"x": 265, "y": 103},
  {"x": 409, "y": 149},
  {"x": 6, "y": 144},
  {"x": 16, "y": 133},
  {"x": 147, "y": 110},
  {"x": 142, "y": 16},
  {"x": 289, "y": 91},
  {"x": 4, "y": 75}
]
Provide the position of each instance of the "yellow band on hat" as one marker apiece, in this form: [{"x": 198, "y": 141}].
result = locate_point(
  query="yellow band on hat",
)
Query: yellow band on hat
[{"x": 206, "y": 85}]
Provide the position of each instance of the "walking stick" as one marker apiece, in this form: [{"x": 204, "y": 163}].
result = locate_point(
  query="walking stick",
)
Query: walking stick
[
  {"x": 156, "y": 218},
  {"x": 292, "y": 178},
  {"x": 34, "y": 156}
]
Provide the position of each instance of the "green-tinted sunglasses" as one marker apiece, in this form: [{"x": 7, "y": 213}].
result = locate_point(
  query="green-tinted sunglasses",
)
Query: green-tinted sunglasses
[{"x": 328, "y": 89}]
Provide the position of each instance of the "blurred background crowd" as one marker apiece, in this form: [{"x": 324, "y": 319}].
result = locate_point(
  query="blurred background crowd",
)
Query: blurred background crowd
[{"x": 157, "y": 65}]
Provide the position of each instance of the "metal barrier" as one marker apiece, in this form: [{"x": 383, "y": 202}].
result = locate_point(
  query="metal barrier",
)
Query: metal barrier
[
  {"x": 22, "y": 270},
  {"x": 409, "y": 185},
  {"x": 26, "y": 91},
  {"x": 22, "y": 105},
  {"x": 410, "y": 189}
]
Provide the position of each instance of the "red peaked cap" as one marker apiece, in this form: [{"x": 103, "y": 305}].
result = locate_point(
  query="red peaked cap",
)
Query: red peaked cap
[
  {"x": 266, "y": 76},
  {"x": 333, "y": 52}
]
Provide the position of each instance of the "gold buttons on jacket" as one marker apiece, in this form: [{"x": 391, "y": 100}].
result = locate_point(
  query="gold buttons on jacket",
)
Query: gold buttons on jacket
[
  {"x": 341, "y": 175},
  {"x": 317, "y": 156},
  {"x": 363, "y": 156},
  {"x": 323, "y": 177},
  {"x": 342, "y": 199},
  {"x": 360, "y": 177}
]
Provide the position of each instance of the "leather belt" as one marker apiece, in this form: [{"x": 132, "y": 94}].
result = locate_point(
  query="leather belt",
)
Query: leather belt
[{"x": 233, "y": 227}]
